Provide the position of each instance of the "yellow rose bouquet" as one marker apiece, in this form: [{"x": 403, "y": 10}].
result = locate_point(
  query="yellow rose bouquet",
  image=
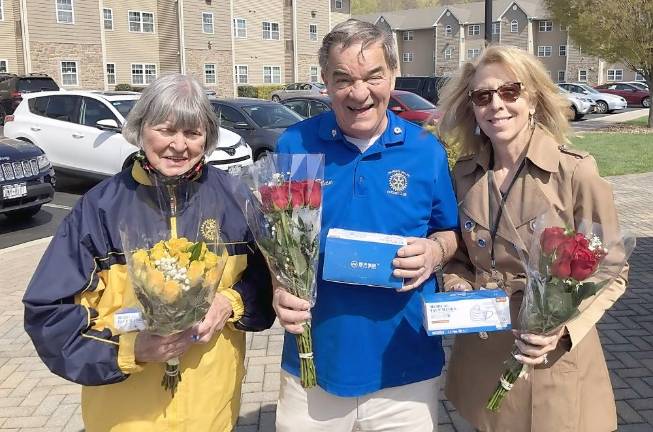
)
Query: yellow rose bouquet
[{"x": 175, "y": 281}]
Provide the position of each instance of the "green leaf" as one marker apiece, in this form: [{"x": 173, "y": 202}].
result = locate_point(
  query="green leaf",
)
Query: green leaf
[
  {"x": 195, "y": 251},
  {"x": 298, "y": 260}
]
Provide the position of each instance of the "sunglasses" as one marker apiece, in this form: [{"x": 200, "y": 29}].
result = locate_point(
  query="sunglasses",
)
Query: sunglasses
[{"x": 509, "y": 92}]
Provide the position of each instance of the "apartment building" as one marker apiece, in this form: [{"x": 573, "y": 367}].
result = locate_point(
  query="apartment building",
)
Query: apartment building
[
  {"x": 438, "y": 40},
  {"x": 97, "y": 44}
]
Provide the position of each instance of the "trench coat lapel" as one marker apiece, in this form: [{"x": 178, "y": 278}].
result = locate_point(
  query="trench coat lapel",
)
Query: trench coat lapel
[{"x": 475, "y": 202}]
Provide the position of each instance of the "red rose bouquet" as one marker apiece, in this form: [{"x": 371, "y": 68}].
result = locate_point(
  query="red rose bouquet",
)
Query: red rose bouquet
[
  {"x": 566, "y": 269},
  {"x": 284, "y": 214}
]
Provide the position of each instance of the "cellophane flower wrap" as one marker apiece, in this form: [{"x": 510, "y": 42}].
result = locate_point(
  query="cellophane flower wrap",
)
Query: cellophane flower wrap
[
  {"x": 175, "y": 270},
  {"x": 566, "y": 269},
  {"x": 284, "y": 214}
]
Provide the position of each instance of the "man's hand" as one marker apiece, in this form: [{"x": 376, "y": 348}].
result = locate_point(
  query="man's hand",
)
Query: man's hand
[
  {"x": 215, "y": 319},
  {"x": 151, "y": 348},
  {"x": 291, "y": 310},
  {"x": 416, "y": 262}
]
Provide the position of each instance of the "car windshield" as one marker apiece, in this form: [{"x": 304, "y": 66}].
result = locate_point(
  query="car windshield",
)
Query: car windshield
[
  {"x": 639, "y": 86},
  {"x": 588, "y": 88},
  {"x": 124, "y": 106},
  {"x": 415, "y": 102},
  {"x": 26, "y": 85},
  {"x": 270, "y": 116},
  {"x": 319, "y": 85}
]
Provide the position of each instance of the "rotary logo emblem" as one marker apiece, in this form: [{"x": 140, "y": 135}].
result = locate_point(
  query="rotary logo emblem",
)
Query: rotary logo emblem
[
  {"x": 209, "y": 229},
  {"x": 398, "y": 182}
]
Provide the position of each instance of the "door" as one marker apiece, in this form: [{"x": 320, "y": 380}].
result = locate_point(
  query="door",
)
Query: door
[
  {"x": 55, "y": 130},
  {"x": 317, "y": 107},
  {"x": 300, "y": 106},
  {"x": 628, "y": 92}
]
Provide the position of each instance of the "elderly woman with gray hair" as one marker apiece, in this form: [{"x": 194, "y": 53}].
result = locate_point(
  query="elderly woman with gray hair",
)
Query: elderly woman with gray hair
[{"x": 81, "y": 282}]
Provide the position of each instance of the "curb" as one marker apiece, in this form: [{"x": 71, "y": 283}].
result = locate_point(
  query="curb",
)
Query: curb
[{"x": 26, "y": 245}]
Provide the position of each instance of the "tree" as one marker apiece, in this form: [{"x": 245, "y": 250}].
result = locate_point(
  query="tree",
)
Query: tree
[{"x": 617, "y": 31}]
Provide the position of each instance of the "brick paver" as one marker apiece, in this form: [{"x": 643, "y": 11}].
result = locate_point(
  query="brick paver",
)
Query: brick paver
[{"x": 33, "y": 399}]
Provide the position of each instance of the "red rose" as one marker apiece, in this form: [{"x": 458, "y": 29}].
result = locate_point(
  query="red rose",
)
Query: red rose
[
  {"x": 551, "y": 238},
  {"x": 297, "y": 192},
  {"x": 266, "y": 197},
  {"x": 561, "y": 266},
  {"x": 313, "y": 194},
  {"x": 280, "y": 197},
  {"x": 583, "y": 264}
]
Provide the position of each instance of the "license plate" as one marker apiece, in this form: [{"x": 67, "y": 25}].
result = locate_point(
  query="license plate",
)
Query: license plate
[{"x": 13, "y": 191}]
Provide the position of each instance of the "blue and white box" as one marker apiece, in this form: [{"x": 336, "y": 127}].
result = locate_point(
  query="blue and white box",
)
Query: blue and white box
[
  {"x": 458, "y": 312},
  {"x": 361, "y": 258}
]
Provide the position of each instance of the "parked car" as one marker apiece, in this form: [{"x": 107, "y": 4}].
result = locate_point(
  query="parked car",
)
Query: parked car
[
  {"x": 605, "y": 102},
  {"x": 426, "y": 86},
  {"x": 633, "y": 94},
  {"x": 258, "y": 121},
  {"x": 579, "y": 105},
  {"x": 80, "y": 132},
  {"x": 26, "y": 178},
  {"x": 298, "y": 89},
  {"x": 405, "y": 104},
  {"x": 640, "y": 84},
  {"x": 14, "y": 87}
]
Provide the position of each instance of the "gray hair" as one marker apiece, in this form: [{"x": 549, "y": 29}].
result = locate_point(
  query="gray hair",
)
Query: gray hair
[
  {"x": 354, "y": 31},
  {"x": 178, "y": 98}
]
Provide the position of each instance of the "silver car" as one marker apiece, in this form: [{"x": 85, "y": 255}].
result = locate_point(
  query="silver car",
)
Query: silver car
[
  {"x": 578, "y": 104},
  {"x": 605, "y": 102},
  {"x": 299, "y": 89}
]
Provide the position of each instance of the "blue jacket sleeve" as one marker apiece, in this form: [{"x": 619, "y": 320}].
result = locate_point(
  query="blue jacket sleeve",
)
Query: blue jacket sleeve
[
  {"x": 444, "y": 211},
  {"x": 61, "y": 328}
]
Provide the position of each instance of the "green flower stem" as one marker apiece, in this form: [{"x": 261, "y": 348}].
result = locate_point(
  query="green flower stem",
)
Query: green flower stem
[
  {"x": 307, "y": 365},
  {"x": 510, "y": 375}
]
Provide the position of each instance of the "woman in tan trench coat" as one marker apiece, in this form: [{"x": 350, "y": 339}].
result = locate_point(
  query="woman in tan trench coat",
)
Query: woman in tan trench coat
[{"x": 510, "y": 121}]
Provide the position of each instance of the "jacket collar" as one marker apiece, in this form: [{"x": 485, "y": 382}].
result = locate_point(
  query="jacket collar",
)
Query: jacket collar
[{"x": 142, "y": 177}]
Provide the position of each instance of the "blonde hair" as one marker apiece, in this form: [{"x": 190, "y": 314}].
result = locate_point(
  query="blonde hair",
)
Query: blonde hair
[{"x": 458, "y": 124}]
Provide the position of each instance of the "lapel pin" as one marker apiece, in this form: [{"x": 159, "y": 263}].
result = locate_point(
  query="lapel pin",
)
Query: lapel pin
[
  {"x": 397, "y": 130},
  {"x": 469, "y": 226},
  {"x": 333, "y": 133}
]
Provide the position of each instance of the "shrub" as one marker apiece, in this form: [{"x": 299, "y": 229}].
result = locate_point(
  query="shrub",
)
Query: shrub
[
  {"x": 123, "y": 87},
  {"x": 265, "y": 91},
  {"x": 247, "y": 91}
]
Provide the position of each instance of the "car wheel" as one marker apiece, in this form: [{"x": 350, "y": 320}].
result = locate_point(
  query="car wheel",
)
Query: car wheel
[
  {"x": 646, "y": 102},
  {"x": 575, "y": 114},
  {"x": 275, "y": 98},
  {"x": 601, "y": 107},
  {"x": 23, "y": 213},
  {"x": 261, "y": 153},
  {"x": 129, "y": 161}
]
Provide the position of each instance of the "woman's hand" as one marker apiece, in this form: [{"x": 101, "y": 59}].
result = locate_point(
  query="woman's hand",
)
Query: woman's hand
[
  {"x": 291, "y": 310},
  {"x": 151, "y": 348},
  {"x": 534, "y": 348},
  {"x": 460, "y": 286},
  {"x": 215, "y": 319}
]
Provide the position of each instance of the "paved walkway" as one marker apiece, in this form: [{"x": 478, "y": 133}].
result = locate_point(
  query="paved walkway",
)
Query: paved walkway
[
  {"x": 596, "y": 124},
  {"x": 32, "y": 399}
]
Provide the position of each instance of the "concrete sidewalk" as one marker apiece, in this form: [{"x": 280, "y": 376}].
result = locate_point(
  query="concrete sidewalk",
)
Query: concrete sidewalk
[
  {"x": 32, "y": 399},
  {"x": 596, "y": 124}
]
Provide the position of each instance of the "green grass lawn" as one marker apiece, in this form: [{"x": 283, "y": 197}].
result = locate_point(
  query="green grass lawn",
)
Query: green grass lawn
[
  {"x": 618, "y": 153},
  {"x": 642, "y": 121}
]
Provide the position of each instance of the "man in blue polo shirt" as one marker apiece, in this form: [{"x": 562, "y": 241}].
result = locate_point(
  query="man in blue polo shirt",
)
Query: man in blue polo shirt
[{"x": 376, "y": 367}]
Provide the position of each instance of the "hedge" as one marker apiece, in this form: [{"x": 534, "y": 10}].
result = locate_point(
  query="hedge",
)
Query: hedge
[{"x": 261, "y": 92}]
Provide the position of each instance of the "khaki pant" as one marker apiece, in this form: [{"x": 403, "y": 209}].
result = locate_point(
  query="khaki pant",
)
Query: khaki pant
[{"x": 407, "y": 408}]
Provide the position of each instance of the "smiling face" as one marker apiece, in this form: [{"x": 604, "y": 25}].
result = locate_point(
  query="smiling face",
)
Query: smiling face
[
  {"x": 359, "y": 83},
  {"x": 173, "y": 151},
  {"x": 502, "y": 121}
]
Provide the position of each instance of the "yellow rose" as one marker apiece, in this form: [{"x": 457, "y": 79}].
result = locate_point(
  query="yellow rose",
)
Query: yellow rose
[
  {"x": 210, "y": 259},
  {"x": 171, "y": 290},
  {"x": 155, "y": 281},
  {"x": 183, "y": 259},
  {"x": 177, "y": 245},
  {"x": 196, "y": 272},
  {"x": 158, "y": 251}
]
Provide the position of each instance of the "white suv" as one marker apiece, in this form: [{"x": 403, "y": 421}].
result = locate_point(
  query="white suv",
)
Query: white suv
[{"x": 80, "y": 131}]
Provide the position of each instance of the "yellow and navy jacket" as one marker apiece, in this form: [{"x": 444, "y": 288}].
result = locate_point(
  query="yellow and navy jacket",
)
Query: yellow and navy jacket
[{"x": 82, "y": 280}]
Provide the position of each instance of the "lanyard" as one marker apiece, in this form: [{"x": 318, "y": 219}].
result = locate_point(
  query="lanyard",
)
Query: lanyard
[{"x": 494, "y": 224}]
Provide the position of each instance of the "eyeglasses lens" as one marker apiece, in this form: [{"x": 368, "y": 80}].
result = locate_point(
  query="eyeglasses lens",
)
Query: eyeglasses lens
[{"x": 507, "y": 92}]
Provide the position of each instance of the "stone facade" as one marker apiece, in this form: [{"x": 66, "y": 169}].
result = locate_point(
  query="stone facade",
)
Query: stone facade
[
  {"x": 304, "y": 63},
  {"x": 197, "y": 58},
  {"x": 47, "y": 58},
  {"x": 577, "y": 61}
]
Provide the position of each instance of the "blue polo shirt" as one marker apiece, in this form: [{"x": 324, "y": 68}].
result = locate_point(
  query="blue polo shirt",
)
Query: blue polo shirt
[{"x": 369, "y": 338}]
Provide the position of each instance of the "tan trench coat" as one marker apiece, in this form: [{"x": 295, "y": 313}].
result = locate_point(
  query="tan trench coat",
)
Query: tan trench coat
[{"x": 574, "y": 392}]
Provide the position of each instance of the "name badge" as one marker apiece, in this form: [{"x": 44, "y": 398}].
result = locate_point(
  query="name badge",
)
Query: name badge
[{"x": 128, "y": 320}]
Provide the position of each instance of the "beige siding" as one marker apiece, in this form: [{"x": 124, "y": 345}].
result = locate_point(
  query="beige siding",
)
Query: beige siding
[
  {"x": 10, "y": 37},
  {"x": 577, "y": 60},
  {"x": 628, "y": 74},
  {"x": 43, "y": 26},
  {"x": 554, "y": 39},
  {"x": 167, "y": 21},
  {"x": 519, "y": 39},
  {"x": 307, "y": 13},
  {"x": 123, "y": 48},
  {"x": 254, "y": 51},
  {"x": 421, "y": 46},
  {"x": 443, "y": 42},
  {"x": 340, "y": 15}
]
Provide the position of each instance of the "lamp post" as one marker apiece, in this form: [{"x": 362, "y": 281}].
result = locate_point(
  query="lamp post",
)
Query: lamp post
[{"x": 488, "y": 22}]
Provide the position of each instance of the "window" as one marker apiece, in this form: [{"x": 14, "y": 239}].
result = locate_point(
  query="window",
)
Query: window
[
  {"x": 229, "y": 116},
  {"x": 143, "y": 73},
  {"x": 240, "y": 28},
  {"x": 107, "y": 15},
  {"x": 408, "y": 57},
  {"x": 141, "y": 22},
  {"x": 338, "y": 4},
  {"x": 207, "y": 22},
  {"x": 514, "y": 26},
  {"x": 638, "y": 76},
  {"x": 474, "y": 30},
  {"x": 563, "y": 27},
  {"x": 408, "y": 35},
  {"x": 473, "y": 53},
  {"x": 496, "y": 28},
  {"x": 582, "y": 75},
  {"x": 270, "y": 30},
  {"x": 62, "y": 107},
  {"x": 111, "y": 73},
  {"x": 313, "y": 74},
  {"x": 615, "y": 74},
  {"x": 312, "y": 32},
  {"x": 448, "y": 53},
  {"x": 69, "y": 73},
  {"x": 92, "y": 111},
  {"x": 299, "y": 106},
  {"x": 3, "y": 66},
  {"x": 561, "y": 76},
  {"x": 271, "y": 74},
  {"x": 544, "y": 51},
  {"x": 209, "y": 74},
  {"x": 448, "y": 31},
  {"x": 546, "y": 26},
  {"x": 241, "y": 74},
  {"x": 65, "y": 11},
  {"x": 562, "y": 50}
]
